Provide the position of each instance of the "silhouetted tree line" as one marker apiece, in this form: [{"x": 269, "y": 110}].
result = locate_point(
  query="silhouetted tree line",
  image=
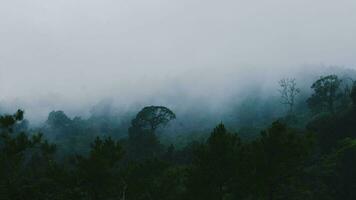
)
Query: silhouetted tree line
[{"x": 314, "y": 162}]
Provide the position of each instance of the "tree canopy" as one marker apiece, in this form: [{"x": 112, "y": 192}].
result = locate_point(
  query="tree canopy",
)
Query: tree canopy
[{"x": 152, "y": 117}]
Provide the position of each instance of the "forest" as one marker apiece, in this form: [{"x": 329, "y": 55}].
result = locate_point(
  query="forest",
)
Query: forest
[
  {"x": 307, "y": 152},
  {"x": 177, "y": 100}
]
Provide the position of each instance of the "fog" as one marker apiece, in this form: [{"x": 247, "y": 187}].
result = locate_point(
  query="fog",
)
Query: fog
[{"x": 71, "y": 55}]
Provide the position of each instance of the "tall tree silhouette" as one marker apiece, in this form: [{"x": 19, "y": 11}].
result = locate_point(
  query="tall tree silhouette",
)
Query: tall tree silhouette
[
  {"x": 326, "y": 93},
  {"x": 142, "y": 139}
]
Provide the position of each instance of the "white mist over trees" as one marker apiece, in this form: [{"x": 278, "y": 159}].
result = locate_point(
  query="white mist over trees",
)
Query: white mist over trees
[{"x": 71, "y": 55}]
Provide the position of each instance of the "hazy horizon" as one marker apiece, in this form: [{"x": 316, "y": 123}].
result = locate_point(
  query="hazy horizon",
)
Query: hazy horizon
[{"x": 70, "y": 55}]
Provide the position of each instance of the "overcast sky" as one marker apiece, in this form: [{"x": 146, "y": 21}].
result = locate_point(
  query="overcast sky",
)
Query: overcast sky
[{"x": 74, "y": 50}]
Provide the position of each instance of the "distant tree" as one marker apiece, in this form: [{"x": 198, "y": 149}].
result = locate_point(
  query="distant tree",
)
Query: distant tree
[
  {"x": 143, "y": 142},
  {"x": 152, "y": 117},
  {"x": 8, "y": 121},
  {"x": 289, "y": 91},
  {"x": 345, "y": 99},
  {"x": 353, "y": 94},
  {"x": 58, "y": 119},
  {"x": 326, "y": 93}
]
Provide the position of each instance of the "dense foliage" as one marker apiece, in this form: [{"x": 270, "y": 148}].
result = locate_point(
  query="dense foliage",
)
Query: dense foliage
[{"x": 285, "y": 161}]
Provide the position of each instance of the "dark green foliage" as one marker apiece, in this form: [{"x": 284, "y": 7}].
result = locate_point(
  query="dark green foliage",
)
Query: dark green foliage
[
  {"x": 274, "y": 163},
  {"x": 326, "y": 93},
  {"x": 24, "y": 161},
  {"x": 215, "y": 166},
  {"x": 332, "y": 128},
  {"x": 152, "y": 117},
  {"x": 154, "y": 179},
  {"x": 353, "y": 94},
  {"x": 143, "y": 144},
  {"x": 99, "y": 170},
  {"x": 280, "y": 163},
  {"x": 337, "y": 170},
  {"x": 73, "y": 136},
  {"x": 8, "y": 121},
  {"x": 142, "y": 141}
]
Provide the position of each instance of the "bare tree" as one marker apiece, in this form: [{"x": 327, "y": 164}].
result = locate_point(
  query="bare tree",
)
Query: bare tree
[{"x": 289, "y": 91}]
